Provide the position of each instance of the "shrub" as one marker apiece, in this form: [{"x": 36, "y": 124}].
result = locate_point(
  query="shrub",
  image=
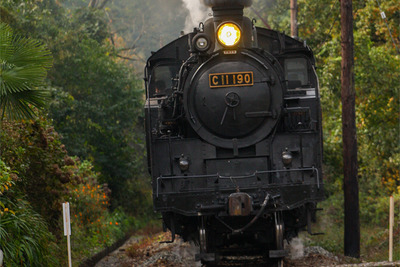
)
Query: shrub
[
  {"x": 24, "y": 235},
  {"x": 34, "y": 150},
  {"x": 93, "y": 226}
]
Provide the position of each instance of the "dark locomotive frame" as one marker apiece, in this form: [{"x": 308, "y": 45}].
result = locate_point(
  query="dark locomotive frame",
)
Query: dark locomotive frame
[{"x": 228, "y": 170}]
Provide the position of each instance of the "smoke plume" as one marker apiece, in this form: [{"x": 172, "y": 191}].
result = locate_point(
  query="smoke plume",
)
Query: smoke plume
[
  {"x": 296, "y": 248},
  {"x": 198, "y": 12}
]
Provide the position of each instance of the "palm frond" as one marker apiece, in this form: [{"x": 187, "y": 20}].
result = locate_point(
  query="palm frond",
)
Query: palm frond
[
  {"x": 5, "y": 43},
  {"x": 30, "y": 52},
  {"x": 21, "y": 105},
  {"x": 23, "y": 67},
  {"x": 24, "y": 236}
]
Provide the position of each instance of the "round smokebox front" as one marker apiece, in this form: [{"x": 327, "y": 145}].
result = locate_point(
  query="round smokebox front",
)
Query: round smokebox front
[{"x": 231, "y": 99}]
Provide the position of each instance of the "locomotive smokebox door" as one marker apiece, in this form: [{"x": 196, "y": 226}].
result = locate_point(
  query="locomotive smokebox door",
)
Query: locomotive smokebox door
[{"x": 240, "y": 204}]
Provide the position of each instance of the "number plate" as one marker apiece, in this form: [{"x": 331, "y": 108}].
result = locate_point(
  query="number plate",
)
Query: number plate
[{"x": 229, "y": 79}]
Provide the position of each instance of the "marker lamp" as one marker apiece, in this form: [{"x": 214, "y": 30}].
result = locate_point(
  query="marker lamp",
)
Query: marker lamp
[
  {"x": 287, "y": 158},
  {"x": 229, "y": 34},
  {"x": 183, "y": 163},
  {"x": 201, "y": 42}
]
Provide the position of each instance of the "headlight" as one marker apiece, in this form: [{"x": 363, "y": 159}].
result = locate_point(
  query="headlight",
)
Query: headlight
[
  {"x": 201, "y": 42},
  {"x": 229, "y": 34}
]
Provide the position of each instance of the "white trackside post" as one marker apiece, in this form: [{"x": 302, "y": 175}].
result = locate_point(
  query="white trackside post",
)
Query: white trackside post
[
  {"x": 391, "y": 223},
  {"x": 67, "y": 229}
]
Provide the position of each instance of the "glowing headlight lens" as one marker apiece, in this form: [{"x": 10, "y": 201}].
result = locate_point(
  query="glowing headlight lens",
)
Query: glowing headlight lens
[
  {"x": 201, "y": 43},
  {"x": 228, "y": 34}
]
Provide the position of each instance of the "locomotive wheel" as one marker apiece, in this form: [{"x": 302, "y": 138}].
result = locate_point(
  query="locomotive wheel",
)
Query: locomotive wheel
[
  {"x": 279, "y": 230},
  {"x": 206, "y": 242}
]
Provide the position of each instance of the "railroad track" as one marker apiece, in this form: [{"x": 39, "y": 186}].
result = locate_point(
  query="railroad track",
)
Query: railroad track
[
  {"x": 251, "y": 261},
  {"x": 147, "y": 251}
]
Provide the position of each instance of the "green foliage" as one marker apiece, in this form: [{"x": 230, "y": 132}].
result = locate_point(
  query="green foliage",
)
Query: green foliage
[
  {"x": 90, "y": 24},
  {"x": 86, "y": 241},
  {"x": 129, "y": 17},
  {"x": 93, "y": 226},
  {"x": 97, "y": 110},
  {"x": 276, "y": 13},
  {"x": 47, "y": 177},
  {"x": 23, "y": 67},
  {"x": 374, "y": 227},
  {"x": 96, "y": 103},
  {"x": 377, "y": 80},
  {"x": 33, "y": 149},
  {"x": 96, "y": 106},
  {"x": 138, "y": 27},
  {"x": 5, "y": 178},
  {"x": 88, "y": 199},
  {"x": 24, "y": 236}
]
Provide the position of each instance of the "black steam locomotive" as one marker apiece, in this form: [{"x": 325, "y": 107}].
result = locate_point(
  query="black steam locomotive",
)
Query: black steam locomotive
[{"x": 234, "y": 141}]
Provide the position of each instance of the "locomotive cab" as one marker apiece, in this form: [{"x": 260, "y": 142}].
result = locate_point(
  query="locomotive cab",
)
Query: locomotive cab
[{"x": 233, "y": 131}]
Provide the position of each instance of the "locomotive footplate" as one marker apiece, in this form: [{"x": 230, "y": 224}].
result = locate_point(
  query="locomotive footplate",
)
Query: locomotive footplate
[
  {"x": 217, "y": 182},
  {"x": 211, "y": 202}
]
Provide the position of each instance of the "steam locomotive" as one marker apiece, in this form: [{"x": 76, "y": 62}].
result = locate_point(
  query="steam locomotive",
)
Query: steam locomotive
[{"x": 234, "y": 140}]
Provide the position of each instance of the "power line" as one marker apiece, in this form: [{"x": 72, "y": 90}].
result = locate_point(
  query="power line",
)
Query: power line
[
  {"x": 333, "y": 24},
  {"x": 387, "y": 25}
]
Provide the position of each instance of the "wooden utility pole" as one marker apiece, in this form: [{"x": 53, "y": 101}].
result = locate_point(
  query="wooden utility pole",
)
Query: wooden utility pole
[
  {"x": 293, "y": 18},
  {"x": 350, "y": 166}
]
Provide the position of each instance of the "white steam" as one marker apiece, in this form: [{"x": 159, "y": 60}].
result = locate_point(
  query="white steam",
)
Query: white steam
[
  {"x": 198, "y": 12},
  {"x": 296, "y": 248}
]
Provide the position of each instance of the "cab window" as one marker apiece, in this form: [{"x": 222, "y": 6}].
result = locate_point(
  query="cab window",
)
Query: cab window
[
  {"x": 296, "y": 72},
  {"x": 161, "y": 79}
]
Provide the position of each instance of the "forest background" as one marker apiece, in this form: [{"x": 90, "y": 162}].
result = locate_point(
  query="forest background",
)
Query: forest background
[{"x": 86, "y": 144}]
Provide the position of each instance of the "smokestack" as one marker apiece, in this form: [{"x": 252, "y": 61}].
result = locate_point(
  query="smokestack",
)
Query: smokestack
[
  {"x": 230, "y": 11},
  {"x": 227, "y": 3},
  {"x": 227, "y": 8}
]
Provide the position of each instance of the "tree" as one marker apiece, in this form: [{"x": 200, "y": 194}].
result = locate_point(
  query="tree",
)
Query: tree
[
  {"x": 97, "y": 105},
  {"x": 23, "y": 67}
]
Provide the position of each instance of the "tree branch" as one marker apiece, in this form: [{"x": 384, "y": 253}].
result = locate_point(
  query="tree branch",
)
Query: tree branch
[
  {"x": 133, "y": 46},
  {"x": 103, "y": 4},
  {"x": 127, "y": 58},
  {"x": 92, "y": 3}
]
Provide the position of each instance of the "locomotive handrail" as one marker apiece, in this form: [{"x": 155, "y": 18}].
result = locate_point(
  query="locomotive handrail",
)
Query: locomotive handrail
[
  {"x": 217, "y": 175},
  {"x": 205, "y": 62}
]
